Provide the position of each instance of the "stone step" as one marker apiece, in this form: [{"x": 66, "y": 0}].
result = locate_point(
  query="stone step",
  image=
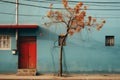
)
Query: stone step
[{"x": 26, "y": 72}]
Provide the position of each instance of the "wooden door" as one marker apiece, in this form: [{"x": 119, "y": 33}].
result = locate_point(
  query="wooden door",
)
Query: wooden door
[{"x": 27, "y": 53}]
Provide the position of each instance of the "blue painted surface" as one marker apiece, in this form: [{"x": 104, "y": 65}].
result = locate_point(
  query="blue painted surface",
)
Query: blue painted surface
[
  {"x": 8, "y": 61},
  {"x": 85, "y": 52}
]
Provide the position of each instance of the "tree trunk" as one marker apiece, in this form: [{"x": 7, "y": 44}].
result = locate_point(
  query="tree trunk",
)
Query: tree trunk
[
  {"x": 60, "y": 61},
  {"x": 60, "y": 55}
]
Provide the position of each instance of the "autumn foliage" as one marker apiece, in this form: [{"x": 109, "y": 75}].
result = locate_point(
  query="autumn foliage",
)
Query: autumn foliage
[{"x": 75, "y": 18}]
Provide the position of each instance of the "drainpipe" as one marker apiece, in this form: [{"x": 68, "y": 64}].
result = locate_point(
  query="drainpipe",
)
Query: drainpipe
[{"x": 17, "y": 4}]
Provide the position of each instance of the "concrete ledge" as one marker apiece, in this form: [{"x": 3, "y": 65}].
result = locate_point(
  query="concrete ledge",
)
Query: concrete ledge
[{"x": 66, "y": 77}]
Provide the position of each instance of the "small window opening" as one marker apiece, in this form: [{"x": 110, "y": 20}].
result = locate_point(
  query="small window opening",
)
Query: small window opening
[
  {"x": 109, "y": 41},
  {"x": 4, "y": 42}
]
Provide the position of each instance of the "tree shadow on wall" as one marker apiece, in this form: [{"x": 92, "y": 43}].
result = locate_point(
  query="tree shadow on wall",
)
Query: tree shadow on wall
[{"x": 46, "y": 34}]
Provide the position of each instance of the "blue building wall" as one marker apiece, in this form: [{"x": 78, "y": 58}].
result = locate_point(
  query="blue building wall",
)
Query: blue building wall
[
  {"x": 8, "y": 61},
  {"x": 85, "y": 52}
]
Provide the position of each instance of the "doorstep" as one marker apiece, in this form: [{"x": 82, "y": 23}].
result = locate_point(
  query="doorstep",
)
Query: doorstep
[{"x": 26, "y": 72}]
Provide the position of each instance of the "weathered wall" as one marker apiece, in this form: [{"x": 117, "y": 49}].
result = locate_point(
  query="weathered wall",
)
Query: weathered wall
[{"x": 84, "y": 52}]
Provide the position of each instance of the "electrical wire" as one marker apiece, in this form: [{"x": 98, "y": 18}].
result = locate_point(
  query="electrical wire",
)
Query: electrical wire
[
  {"x": 48, "y": 8},
  {"x": 20, "y": 14},
  {"x": 103, "y": 2},
  {"x": 55, "y": 8},
  {"x": 82, "y": 1},
  {"x": 25, "y": 4},
  {"x": 102, "y": 5},
  {"x": 43, "y": 15}
]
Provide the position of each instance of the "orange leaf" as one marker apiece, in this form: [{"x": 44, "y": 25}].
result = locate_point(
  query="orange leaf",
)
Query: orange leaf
[
  {"x": 82, "y": 24},
  {"x": 80, "y": 3},
  {"x": 49, "y": 13},
  {"x": 90, "y": 18},
  {"x": 65, "y": 3},
  {"x": 78, "y": 29},
  {"x": 83, "y": 13},
  {"x": 71, "y": 32},
  {"x": 98, "y": 27},
  {"x": 59, "y": 16},
  {"x": 73, "y": 23}
]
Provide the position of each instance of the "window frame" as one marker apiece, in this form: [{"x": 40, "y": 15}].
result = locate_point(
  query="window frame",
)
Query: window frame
[{"x": 6, "y": 48}]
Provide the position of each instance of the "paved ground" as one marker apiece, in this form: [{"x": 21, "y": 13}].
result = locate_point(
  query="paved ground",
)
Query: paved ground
[{"x": 65, "y": 77}]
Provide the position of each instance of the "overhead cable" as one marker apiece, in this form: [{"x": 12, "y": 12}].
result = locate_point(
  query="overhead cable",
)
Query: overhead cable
[
  {"x": 55, "y": 8},
  {"x": 44, "y": 15}
]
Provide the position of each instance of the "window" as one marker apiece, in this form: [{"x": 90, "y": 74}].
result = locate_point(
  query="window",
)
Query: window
[
  {"x": 109, "y": 41},
  {"x": 4, "y": 42}
]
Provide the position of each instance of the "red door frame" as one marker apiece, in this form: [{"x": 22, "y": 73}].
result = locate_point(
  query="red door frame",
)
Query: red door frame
[{"x": 27, "y": 52}]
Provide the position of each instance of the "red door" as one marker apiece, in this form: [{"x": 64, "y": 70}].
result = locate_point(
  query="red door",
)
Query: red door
[{"x": 27, "y": 53}]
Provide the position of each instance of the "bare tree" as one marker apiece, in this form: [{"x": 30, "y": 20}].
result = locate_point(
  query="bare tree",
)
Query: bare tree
[{"x": 75, "y": 20}]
